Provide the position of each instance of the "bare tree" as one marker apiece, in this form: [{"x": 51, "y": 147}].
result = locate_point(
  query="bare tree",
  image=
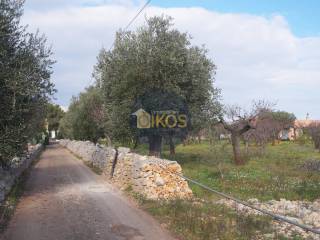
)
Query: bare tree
[
  {"x": 314, "y": 131},
  {"x": 268, "y": 127},
  {"x": 241, "y": 122}
]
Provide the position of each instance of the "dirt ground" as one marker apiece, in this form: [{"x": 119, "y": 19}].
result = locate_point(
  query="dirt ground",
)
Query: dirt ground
[{"x": 64, "y": 199}]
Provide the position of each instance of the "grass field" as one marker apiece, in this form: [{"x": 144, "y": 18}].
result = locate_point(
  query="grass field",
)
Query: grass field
[
  {"x": 274, "y": 174},
  {"x": 203, "y": 221}
]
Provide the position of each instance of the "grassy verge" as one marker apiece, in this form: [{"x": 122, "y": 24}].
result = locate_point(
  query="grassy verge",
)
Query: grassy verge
[
  {"x": 272, "y": 174},
  {"x": 276, "y": 173},
  {"x": 95, "y": 169},
  {"x": 190, "y": 220}
]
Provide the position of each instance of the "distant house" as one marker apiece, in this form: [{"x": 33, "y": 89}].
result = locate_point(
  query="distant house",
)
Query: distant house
[
  {"x": 297, "y": 130},
  {"x": 53, "y": 134}
]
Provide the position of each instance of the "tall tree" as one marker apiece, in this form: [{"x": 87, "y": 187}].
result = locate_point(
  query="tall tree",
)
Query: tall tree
[
  {"x": 54, "y": 115},
  {"x": 85, "y": 118},
  {"x": 25, "y": 87},
  {"x": 155, "y": 57}
]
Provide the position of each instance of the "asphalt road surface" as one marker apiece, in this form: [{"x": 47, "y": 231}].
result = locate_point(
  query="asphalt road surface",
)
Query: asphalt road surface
[{"x": 65, "y": 200}]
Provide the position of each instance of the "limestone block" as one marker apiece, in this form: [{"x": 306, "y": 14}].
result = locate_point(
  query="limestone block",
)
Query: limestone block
[{"x": 152, "y": 177}]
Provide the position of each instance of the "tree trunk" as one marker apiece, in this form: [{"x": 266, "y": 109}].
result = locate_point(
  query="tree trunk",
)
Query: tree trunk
[
  {"x": 135, "y": 143},
  {"x": 199, "y": 138},
  {"x": 235, "y": 139},
  {"x": 155, "y": 143},
  {"x": 184, "y": 142},
  {"x": 109, "y": 142},
  {"x": 275, "y": 142},
  {"x": 247, "y": 147},
  {"x": 317, "y": 144},
  {"x": 172, "y": 146}
]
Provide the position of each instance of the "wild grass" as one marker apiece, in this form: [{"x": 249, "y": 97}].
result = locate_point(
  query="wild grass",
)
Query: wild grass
[
  {"x": 272, "y": 174},
  {"x": 94, "y": 168},
  {"x": 201, "y": 220}
]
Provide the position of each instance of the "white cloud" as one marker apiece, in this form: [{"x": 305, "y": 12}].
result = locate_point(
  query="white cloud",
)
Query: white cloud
[
  {"x": 257, "y": 57},
  {"x": 64, "y": 108}
]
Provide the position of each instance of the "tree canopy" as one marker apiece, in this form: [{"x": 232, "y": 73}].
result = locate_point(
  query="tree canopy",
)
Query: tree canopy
[
  {"x": 155, "y": 57},
  {"x": 85, "y": 118},
  {"x": 54, "y": 115},
  {"x": 25, "y": 86}
]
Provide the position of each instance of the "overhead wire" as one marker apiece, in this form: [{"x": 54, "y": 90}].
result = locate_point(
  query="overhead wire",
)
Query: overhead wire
[{"x": 127, "y": 27}]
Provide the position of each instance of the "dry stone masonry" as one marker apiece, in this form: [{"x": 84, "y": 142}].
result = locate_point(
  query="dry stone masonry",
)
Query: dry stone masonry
[
  {"x": 152, "y": 177},
  {"x": 303, "y": 212},
  {"x": 17, "y": 166}
]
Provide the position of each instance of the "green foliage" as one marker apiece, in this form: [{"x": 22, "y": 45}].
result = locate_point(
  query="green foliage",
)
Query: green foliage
[
  {"x": 273, "y": 175},
  {"x": 85, "y": 118},
  {"x": 54, "y": 115},
  {"x": 204, "y": 220},
  {"x": 155, "y": 57},
  {"x": 25, "y": 87},
  {"x": 270, "y": 123},
  {"x": 286, "y": 119}
]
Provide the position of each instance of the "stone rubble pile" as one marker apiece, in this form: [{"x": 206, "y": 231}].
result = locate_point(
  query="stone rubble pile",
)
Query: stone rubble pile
[
  {"x": 17, "y": 166},
  {"x": 152, "y": 177},
  {"x": 303, "y": 212},
  {"x": 311, "y": 165}
]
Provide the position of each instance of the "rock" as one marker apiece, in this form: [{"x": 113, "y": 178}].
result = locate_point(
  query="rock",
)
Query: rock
[
  {"x": 18, "y": 166},
  {"x": 311, "y": 165},
  {"x": 313, "y": 219},
  {"x": 123, "y": 150},
  {"x": 159, "y": 181},
  {"x": 150, "y": 176},
  {"x": 253, "y": 201},
  {"x": 301, "y": 212},
  {"x": 269, "y": 236}
]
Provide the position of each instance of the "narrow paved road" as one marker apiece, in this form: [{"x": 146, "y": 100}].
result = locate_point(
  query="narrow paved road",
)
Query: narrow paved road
[{"x": 65, "y": 200}]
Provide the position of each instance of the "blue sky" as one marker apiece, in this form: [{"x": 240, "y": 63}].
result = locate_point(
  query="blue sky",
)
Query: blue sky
[
  {"x": 266, "y": 49},
  {"x": 302, "y": 16}
]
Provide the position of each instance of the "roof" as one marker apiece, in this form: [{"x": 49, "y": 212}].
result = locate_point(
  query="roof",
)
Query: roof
[{"x": 305, "y": 123}]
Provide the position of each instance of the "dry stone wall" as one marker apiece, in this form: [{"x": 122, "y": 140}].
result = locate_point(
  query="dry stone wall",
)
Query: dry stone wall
[
  {"x": 17, "y": 166},
  {"x": 302, "y": 212},
  {"x": 152, "y": 177}
]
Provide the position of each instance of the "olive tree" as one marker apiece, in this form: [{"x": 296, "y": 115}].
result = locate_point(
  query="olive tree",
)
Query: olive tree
[
  {"x": 262, "y": 124},
  {"x": 25, "y": 86},
  {"x": 270, "y": 123},
  {"x": 154, "y": 57},
  {"x": 85, "y": 118},
  {"x": 238, "y": 125},
  {"x": 54, "y": 115}
]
